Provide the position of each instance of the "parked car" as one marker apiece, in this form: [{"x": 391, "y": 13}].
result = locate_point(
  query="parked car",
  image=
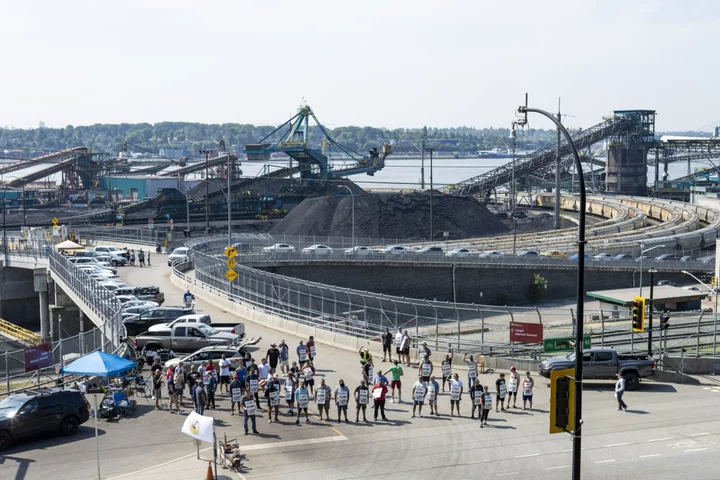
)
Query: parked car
[
  {"x": 154, "y": 316},
  {"x": 97, "y": 272},
  {"x": 151, "y": 294},
  {"x": 687, "y": 258},
  {"x": 603, "y": 257},
  {"x": 177, "y": 255},
  {"x": 666, "y": 257},
  {"x": 133, "y": 311},
  {"x": 318, "y": 249},
  {"x": 139, "y": 303},
  {"x": 709, "y": 259},
  {"x": 97, "y": 268},
  {"x": 34, "y": 413},
  {"x": 553, "y": 253},
  {"x": 527, "y": 253},
  {"x": 604, "y": 363},
  {"x": 236, "y": 328},
  {"x": 113, "y": 285},
  {"x": 667, "y": 283},
  {"x": 429, "y": 251},
  {"x": 279, "y": 248},
  {"x": 694, "y": 289},
  {"x": 114, "y": 256},
  {"x": 89, "y": 261},
  {"x": 185, "y": 337},
  {"x": 358, "y": 251},
  {"x": 622, "y": 256},
  {"x": 113, "y": 250},
  {"x": 213, "y": 353},
  {"x": 490, "y": 254},
  {"x": 394, "y": 250},
  {"x": 644, "y": 258},
  {"x": 587, "y": 257},
  {"x": 459, "y": 252}
]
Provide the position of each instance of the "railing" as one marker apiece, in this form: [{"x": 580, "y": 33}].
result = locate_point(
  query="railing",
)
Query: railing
[
  {"x": 19, "y": 334},
  {"x": 133, "y": 235}
]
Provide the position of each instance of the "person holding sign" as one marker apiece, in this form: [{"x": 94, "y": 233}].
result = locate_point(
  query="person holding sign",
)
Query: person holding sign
[
  {"x": 249, "y": 409},
  {"x": 486, "y": 406},
  {"x": 447, "y": 369},
  {"x": 322, "y": 399},
  {"x": 476, "y": 394},
  {"x": 308, "y": 373},
  {"x": 253, "y": 384},
  {"x": 342, "y": 394},
  {"x": 302, "y": 398},
  {"x": 379, "y": 391},
  {"x": 425, "y": 369},
  {"x": 501, "y": 390},
  {"x": 513, "y": 383},
  {"x": 418, "y": 393},
  {"x": 284, "y": 357},
  {"x": 528, "y": 384},
  {"x": 472, "y": 368},
  {"x": 365, "y": 356},
  {"x": 398, "y": 344},
  {"x": 290, "y": 392},
  {"x": 433, "y": 389},
  {"x": 310, "y": 344},
  {"x": 236, "y": 393},
  {"x": 302, "y": 353},
  {"x": 396, "y": 372},
  {"x": 273, "y": 355},
  {"x": 272, "y": 393},
  {"x": 424, "y": 351},
  {"x": 367, "y": 372},
  {"x": 362, "y": 398},
  {"x": 456, "y": 390},
  {"x": 224, "y": 373}
]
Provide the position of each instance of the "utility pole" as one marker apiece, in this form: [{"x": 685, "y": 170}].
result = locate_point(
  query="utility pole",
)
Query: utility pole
[
  {"x": 422, "y": 165},
  {"x": 207, "y": 191},
  {"x": 431, "y": 150},
  {"x": 556, "y": 211},
  {"x": 513, "y": 190}
]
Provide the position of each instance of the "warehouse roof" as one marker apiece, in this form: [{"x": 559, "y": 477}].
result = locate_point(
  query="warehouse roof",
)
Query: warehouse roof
[{"x": 661, "y": 294}]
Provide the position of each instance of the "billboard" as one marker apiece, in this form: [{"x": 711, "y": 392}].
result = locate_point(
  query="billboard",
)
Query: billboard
[
  {"x": 526, "y": 332},
  {"x": 38, "y": 357}
]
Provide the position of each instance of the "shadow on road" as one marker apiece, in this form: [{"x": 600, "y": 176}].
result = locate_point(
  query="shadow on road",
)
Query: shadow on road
[
  {"x": 639, "y": 412},
  {"x": 643, "y": 388},
  {"x": 21, "y": 445},
  {"x": 23, "y": 464}
]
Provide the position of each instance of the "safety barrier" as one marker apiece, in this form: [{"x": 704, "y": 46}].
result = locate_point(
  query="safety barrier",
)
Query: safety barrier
[{"x": 19, "y": 334}]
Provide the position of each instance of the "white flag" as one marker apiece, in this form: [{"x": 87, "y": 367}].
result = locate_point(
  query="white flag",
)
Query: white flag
[{"x": 199, "y": 426}]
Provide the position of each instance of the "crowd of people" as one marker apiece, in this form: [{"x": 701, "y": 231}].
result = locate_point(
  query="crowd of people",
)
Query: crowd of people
[{"x": 280, "y": 379}]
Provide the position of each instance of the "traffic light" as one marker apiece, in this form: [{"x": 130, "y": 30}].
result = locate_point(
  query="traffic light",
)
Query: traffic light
[
  {"x": 664, "y": 321},
  {"x": 562, "y": 401},
  {"x": 638, "y": 314}
]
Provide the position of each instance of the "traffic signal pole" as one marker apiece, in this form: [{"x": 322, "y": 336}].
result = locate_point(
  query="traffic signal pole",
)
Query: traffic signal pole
[
  {"x": 650, "y": 312},
  {"x": 577, "y": 433}
]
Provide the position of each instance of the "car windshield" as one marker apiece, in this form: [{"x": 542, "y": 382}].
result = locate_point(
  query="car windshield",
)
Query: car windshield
[
  {"x": 179, "y": 251},
  {"x": 10, "y": 405},
  {"x": 207, "y": 330}
]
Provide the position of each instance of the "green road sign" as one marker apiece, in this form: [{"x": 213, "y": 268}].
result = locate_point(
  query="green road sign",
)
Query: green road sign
[{"x": 564, "y": 343}]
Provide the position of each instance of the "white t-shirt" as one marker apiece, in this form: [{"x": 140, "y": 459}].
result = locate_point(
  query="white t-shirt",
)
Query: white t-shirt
[
  {"x": 263, "y": 370},
  {"x": 456, "y": 383},
  {"x": 225, "y": 368}
]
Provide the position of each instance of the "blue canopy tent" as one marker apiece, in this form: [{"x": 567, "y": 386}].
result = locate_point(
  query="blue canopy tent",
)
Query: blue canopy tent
[{"x": 99, "y": 364}]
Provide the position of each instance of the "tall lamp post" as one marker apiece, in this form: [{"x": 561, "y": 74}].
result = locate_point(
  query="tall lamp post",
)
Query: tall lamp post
[
  {"x": 715, "y": 310},
  {"x": 652, "y": 271},
  {"x": 207, "y": 190},
  {"x": 577, "y": 434},
  {"x": 431, "y": 150},
  {"x": 352, "y": 198},
  {"x": 641, "y": 262}
]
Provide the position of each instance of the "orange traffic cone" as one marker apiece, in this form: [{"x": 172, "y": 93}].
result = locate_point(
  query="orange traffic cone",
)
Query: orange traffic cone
[{"x": 209, "y": 475}]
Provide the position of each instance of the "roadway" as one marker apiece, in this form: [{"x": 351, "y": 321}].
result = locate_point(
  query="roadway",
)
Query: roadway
[{"x": 669, "y": 431}]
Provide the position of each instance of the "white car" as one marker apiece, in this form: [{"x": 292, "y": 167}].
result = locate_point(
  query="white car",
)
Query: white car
[
  {"x": 459, "y": 252},
  {"x": 279, "y": 248},
  {"x": 112, "y": 286},
  {"x": 318, "y": 250},
  {"x": 394, "y": 250},
  {"x": 88, "y": 261},
  {"x": 91, "y": 269},
  {"x": 490, "y": 254},
  {"x": 359, "y": 251},
  {"x": 178, "y": 254},
  {"x": 604, "y": 257}
]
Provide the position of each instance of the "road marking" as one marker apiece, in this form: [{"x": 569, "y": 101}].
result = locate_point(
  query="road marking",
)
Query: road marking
[
  {"x": 527, "y": 456},
  {"x": 695, "y": 450},
  {"x": 616, "y": 445},
  {"x": 506, "y": 474},
  {"x": 700, "y": 434},
  {"x": 606, "y": 461},
  {"x": 124, "y": 475},
  {"x": 659, "y": 439},
  {"x": 570, "y": 450},
  {"x": 557, "y": 468},
  {"x": 648, "y": 456}
]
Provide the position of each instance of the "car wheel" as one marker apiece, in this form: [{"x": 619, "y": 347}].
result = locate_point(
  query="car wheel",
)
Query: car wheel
[
  {"x": 5, "y": 440},
  {"x": 632, "y": 381},
  {"x": 114, "y": 263},
  {"x": 69, "y": 426}
]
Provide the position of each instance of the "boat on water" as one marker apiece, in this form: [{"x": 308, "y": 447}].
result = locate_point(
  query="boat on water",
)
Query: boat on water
[{"x": 496, "y": 152}]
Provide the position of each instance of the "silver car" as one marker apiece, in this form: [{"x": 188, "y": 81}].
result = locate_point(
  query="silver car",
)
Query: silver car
[{"x": 214, "y": 354}]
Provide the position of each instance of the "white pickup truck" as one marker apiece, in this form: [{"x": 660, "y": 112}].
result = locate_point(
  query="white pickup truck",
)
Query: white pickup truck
[{"x": 237, "y": 329}]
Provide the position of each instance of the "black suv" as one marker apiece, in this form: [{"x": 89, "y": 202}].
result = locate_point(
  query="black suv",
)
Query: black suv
[
  {"x": 141, "y": 323},
  {"x": 35, "y": 412}
]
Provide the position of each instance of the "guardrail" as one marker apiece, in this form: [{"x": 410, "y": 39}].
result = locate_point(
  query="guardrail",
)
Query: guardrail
[{"x": 19, "y": 334}]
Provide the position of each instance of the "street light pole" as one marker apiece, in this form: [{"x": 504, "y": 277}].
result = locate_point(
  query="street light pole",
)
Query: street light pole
[
  {"x": 431, "y": 150},
  {"x": 207, "y": 191},
  {"x": 641, "y": 262},
  {"x": 577, "y": 433},
  {"x": 513, "y": 137},
  {"x": 352, "y": 198},
  {"x": 652, "y": 272},
  {"x": 229, "y": 205}
]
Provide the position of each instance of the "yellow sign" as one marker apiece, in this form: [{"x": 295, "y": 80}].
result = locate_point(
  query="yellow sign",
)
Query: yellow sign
[
  {"x": 230, "y": 252},
  {"x": 231, "y": 275},
  {"x": 55, "y": 221},
  {"x": 166, "y": 243},
  {"x": 231, "y": 263}
]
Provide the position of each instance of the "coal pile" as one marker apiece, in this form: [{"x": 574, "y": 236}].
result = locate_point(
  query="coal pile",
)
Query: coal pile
[{"x": 391, "y": 215}]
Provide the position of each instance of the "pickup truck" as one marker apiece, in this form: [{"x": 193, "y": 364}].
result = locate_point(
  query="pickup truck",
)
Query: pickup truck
[
  {"x": 151, "y": 294},
  {"x": 604, "y": 363},
  {"x": 237, "y": 329},
  {"x": 185, "y": 337}
]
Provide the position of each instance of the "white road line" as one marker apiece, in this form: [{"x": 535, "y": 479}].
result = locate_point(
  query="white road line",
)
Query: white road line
[
  {"x": 648, "y": 456},
  {"x": 695, "y": 450},
  {"x": 527, "y": 456},
  {"x": 568, "y": 450},
  {"x": 557, "y": 468},
  {"x": 124, "y": 475},
  {"x": 616, "y": 445},
  {"x": 506, "y": 474},
  {"x": 606, "y": 461},
  {"x": 700, "y": 434},
  {"x": 659, "y": 439}
]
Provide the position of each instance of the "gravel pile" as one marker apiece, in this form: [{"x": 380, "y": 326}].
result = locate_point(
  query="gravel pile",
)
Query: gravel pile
[{"x": 391, "y": 216}]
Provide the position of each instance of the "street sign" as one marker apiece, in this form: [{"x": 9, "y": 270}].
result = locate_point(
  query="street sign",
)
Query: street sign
[
  {"x": 55, "y": 221},
  {"x": 231, "y": 275},
  {"x": 564, "y": 344},
  {"x": 526, "y": 332},
  {"x": 166, "y": 243},
  {"x": 230, "y": 252},
  {"x": 231, "y": 263}
]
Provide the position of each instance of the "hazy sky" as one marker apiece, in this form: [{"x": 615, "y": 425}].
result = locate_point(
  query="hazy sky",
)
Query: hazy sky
[{"x": 381, "y": 63}]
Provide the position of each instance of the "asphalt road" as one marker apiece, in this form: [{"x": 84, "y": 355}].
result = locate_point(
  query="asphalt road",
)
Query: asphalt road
[{"x": 670, "y": 431}]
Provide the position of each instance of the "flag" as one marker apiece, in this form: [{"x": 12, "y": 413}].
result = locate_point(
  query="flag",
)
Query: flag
[{"x": 199, "y": 427}]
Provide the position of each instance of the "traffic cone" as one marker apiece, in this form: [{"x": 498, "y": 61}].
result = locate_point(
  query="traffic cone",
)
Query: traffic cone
[{"x": 209, "y": 475}]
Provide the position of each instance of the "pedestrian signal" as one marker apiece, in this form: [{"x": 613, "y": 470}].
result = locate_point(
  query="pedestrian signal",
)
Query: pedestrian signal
[
  {"x": 638, "y": 314},
  {"x": 562, "y": 401},
  {"x": 664, "y": 321}
]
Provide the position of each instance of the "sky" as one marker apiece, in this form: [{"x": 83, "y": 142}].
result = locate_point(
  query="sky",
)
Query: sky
[{"x": 388, "y": 63}]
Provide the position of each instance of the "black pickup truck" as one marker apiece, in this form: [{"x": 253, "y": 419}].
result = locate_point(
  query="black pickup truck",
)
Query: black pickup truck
[{"x": 152, "y": 294}]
